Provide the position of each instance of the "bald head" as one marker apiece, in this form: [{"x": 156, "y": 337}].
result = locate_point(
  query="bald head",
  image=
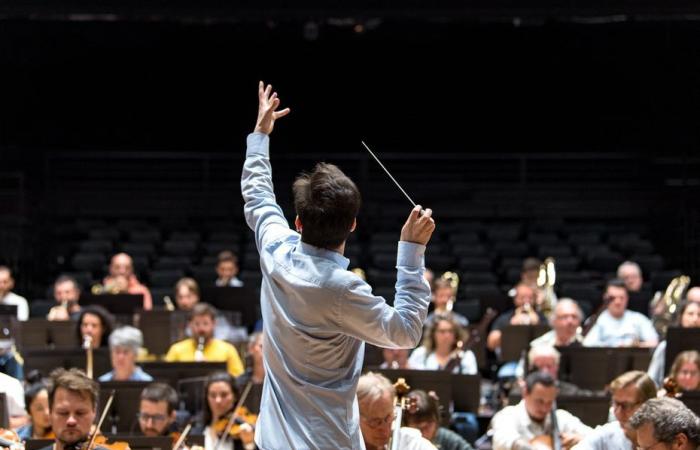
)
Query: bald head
[
  {"x": 694, "y": 294},
  {"x": 121, "y": 265},
  {"x": 6, "y": 281}
]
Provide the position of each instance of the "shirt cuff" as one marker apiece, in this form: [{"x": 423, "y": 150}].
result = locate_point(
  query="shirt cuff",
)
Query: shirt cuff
[
  {"x": 410, "y": 254},
  {"x": 258, "y": 144}
]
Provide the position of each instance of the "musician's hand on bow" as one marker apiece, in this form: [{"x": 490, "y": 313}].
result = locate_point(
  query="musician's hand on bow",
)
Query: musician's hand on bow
[
  {"x": 418, "y": 227},
  {"x": 568, "y": 440},
  {"x": 268, "y": 102}
]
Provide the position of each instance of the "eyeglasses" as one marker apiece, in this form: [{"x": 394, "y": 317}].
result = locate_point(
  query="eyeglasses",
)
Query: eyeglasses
[
  {"x": 625, "y": 406},
  {"x": 377, "y": 422},
  {"x": 143, "y": 417}
]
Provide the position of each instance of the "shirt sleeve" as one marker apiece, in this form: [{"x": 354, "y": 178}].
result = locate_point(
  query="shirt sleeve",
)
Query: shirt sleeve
[
  {"x": 234, "y": 363},
  {"x": 647, "y": 333},
  {"x": 262, "y": 213},
  {"x": 469, "y": 366},
  {"x": 504, "y": 432},
  {"x": 568, "y": 423},
  {"x": 368, "y": 317}
]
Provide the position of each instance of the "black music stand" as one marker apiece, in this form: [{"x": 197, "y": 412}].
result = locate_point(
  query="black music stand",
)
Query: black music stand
[
  {"x": 516, "y": 338},
  {"x": 4, "y": 412},
  {"x": 125, "y": 406},
  {"x": 36, "y": 444},
  {"x": 692, "y": 401},
  {"x": 592, "y": 410},
  {"x": 595, "y": 367},
  {"x": 191, "y": 394},
  {"x": 466, "y": 392},
  {"x": 121, "y": 304},
  {"x": 42, "y": 333},
  {"x": 171, "y": 372},
  {"x": 161, "y": 328},
  {"x": 245, "y": 300},
  {"x": 46, "y": 360},
  {"x": 679, "y": 340}
]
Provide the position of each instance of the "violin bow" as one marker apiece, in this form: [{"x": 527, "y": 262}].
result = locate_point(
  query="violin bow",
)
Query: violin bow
[
  {"x": 102, "y": 419},
  {"x": 183, "y": 436},
  {"x": 234, "y": 415}
]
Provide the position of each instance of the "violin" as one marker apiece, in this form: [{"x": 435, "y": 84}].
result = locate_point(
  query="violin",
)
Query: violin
[
  {"x": 242, "y": 416},
  {"x": 10, "y": 440},
  {"x": 97, "y": 440}
]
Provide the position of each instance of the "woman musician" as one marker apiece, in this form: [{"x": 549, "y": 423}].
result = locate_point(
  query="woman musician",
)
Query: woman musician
[{"x": 443, "y": 348}]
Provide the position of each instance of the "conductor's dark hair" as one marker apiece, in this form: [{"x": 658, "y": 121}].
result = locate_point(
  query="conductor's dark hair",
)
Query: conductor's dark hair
[{"x": 327, "y": 202}]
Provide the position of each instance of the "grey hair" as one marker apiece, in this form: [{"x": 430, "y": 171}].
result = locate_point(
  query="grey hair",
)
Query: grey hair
[
  {"x": 566, "y": 301},
  {"x": 669, "y": 417},
  {"x": 543, "y": 350},
  {"x": 372, "y": 386},
  {"x": 128, "y": 337},
  {"x": 630, "y": 264}
]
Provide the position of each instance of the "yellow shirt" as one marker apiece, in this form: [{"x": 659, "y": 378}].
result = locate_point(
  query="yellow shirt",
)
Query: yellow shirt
[{"x": 215, "y": 350}]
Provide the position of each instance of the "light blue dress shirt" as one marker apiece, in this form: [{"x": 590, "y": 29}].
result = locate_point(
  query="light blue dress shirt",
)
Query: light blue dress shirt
[
  {"x": 137, "y": 375},
  {"x": 316, "y": 315}
]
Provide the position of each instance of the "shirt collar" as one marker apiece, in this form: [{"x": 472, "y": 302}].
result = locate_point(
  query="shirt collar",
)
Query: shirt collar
[{"x": 336, "y": 257}]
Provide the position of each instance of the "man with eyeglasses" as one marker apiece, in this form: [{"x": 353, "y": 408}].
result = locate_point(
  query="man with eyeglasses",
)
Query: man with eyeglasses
[
  {"x": 629, "y": 391},
  {"x": 375, "y": 396},
  {"x": 666, "y": 423},
  {"x": 517, "y": 427},
  {"x": 157, "y": 409}
]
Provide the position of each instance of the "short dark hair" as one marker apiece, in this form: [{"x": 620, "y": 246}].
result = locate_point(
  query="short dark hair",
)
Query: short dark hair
[
  {"x": 160, "y": 392},
  {"x": 74, "y": 380},
  {"x": 427, "y": 407},
  {"x": 226, "y": 256},
  {"x": 67, "y": 279},
  {"x": 530, "y": 264},
  {"x": 617, "y": 283},
  {"x": 203, "y": 309},
  {"x": 670, "y": 417},
  {"x": 327, "y": 203},
  {"x": 543, "y": 378}
]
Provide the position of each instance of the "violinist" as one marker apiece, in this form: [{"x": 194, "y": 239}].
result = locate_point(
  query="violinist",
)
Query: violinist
[
  {"x": 221, "y": 396},
  {"x": 425, "y": 416},
  {"x": 202, "y": 345},
  {"x": 157, "y": 410},
  {"x": 36, "y": 399},
  {"x": 685, "y": 372},
  {"x": 518, "y": 427},
  {"x": 441, "y": 348},
  {"x": 375, "y": 396},
  {"x": 629, "y": 391},
  {"x": 72, "y": 401}
]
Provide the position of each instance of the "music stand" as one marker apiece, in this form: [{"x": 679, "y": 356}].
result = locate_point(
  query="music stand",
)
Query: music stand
[
  {"x": 125, "y": 406},
  {"x": 121, "y": 304},
  {"x": 466, "y": 392},
  {"x": 45, "y": 360},
  {"x": 516, "y": 338},
  {"x": 692, "y": 401},
  {"x": 592, "y": 410},
  {"x": 8, "y": 310},
  {"x": 679, "y": 340},
  {"x": 244, "y": 299},
  {"x": 595, "y": 367},
  {"x": 171, "y": 372},
  {"x": 191, "y": 394},
  {"x": 4, "y": 412},
  {"x": 138, "y": 442},
  {"x": 42, "y": 333},
  {"x": 161, "y": 328},
  {"x": 37, "y": 444}
]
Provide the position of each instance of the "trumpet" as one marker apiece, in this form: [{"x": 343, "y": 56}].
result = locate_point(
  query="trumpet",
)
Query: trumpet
[
  {"x": 546, "y": 279},
  {"x": 664, "y": 305}
]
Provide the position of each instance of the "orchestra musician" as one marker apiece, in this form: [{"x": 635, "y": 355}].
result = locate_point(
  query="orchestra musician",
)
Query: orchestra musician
[
  {"x": 36, "y": 399},
  {"x": 157, "y": 409}
]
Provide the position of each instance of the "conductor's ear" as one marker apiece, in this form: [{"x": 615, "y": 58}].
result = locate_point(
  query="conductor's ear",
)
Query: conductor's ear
[
  {"x": 354, "y": 225},
  {"x": 297, "y": 224}
]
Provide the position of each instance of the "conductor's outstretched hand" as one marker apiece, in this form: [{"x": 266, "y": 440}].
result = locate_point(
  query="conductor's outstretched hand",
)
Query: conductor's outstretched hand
[
  {"x": 268, "y": 102},
  {"x": 418, "y": 227}
]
